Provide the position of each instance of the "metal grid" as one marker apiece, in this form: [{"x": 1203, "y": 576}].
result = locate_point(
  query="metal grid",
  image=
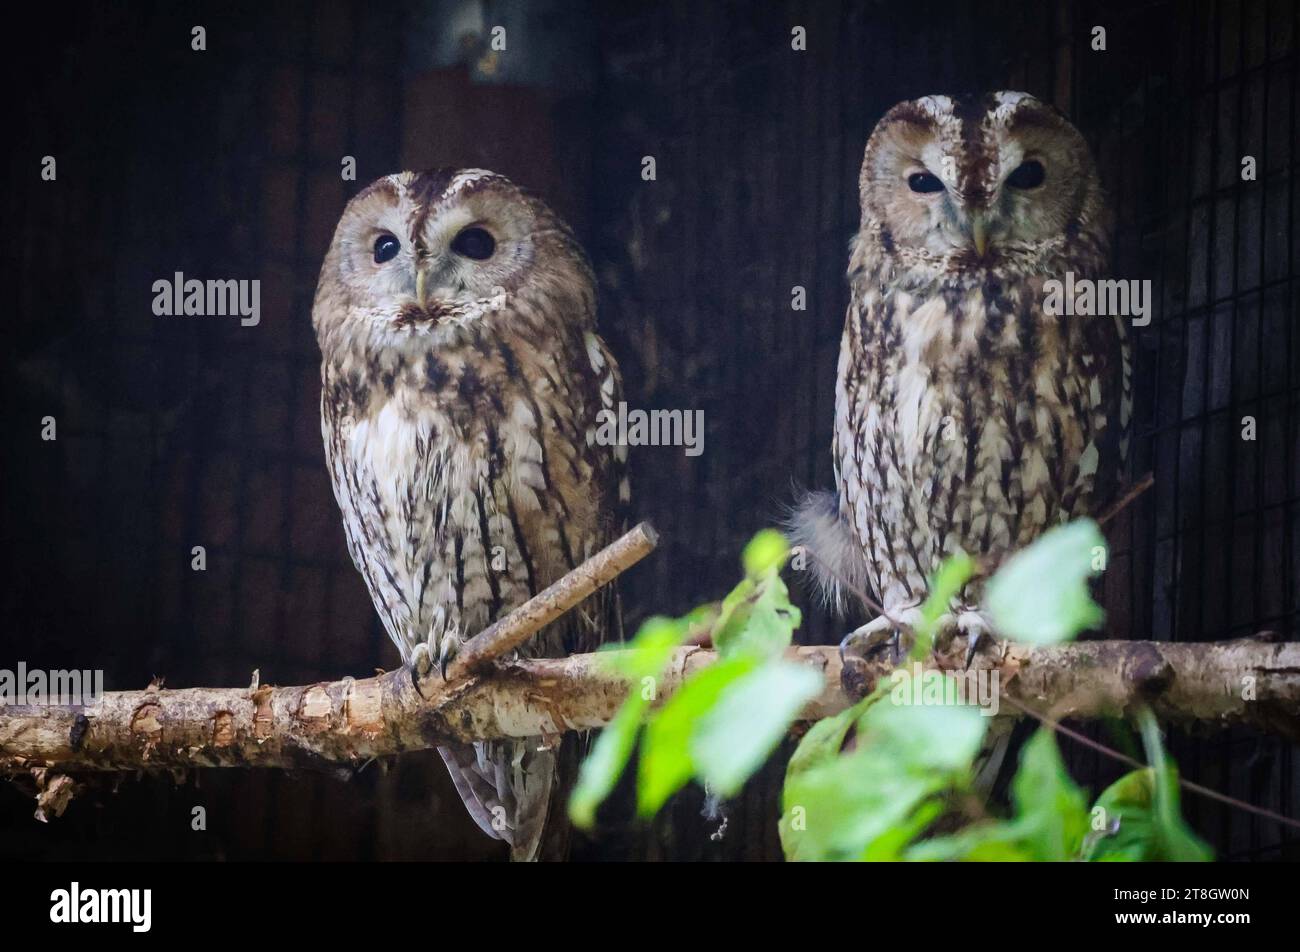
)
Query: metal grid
[
  {"x": 1214, "y": 552},
  {"x": 194, "y": 431},
  {"x": 764, "y": 145}
]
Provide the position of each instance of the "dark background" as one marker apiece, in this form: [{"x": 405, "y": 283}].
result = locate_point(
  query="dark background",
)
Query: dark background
[{"x": 175, "y": 432}]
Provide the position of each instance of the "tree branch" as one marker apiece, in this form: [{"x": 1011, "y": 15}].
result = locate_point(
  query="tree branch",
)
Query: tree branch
[
  {"x": 351, "y": 721},
  {"x": 502, "y": 637}
]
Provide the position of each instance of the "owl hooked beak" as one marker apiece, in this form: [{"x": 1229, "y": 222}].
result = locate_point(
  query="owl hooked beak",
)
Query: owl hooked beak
[
  {"x": 979, "y": 232},
  {"x": 422, "y": 265},
  {"x": 421, "y": 275}
]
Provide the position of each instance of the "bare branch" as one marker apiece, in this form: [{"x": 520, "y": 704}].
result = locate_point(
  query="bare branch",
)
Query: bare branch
[
  {"x": 1252, "y": 681},
  {"x": 1127, "y": 498},
  {"x": 502, "y": 637}
]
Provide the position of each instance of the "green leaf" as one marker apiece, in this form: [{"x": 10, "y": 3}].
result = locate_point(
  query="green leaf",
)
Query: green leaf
[
  {"x": 757, "y": 618},
  {"x": 837, "y": 810},
  {"x": 1123, "y": 811},
  {"x": 1040, "y": 595},
  {"x": 748, "y": 720},
  {"x": 887, "y": 848},
  {"x": 825, "y": 739},
  {"x": 993, "y": 842},
  {"x": 666, "y": 761},
  {"x": 1051, "y": 812},
  {"x": 1177, "y": 843},
  {"x": 819, "y": 748},
  {"x": 1140, "y": 813},
  {"x": 947, "y": 583},
  {"x": 871, "y": 802},
  {"x": 1134, "y": 831},
  {"x": 646, "y": 655},
  {"x": 1049, "y": 822},
  {"x": 609, "y": 756},
  {"x": 766, "y": 552},
  {"x": 924, "y": 737}
]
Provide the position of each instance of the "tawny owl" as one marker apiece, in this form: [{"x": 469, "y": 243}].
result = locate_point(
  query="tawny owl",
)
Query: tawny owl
[
  {"x": 968, "y": 416},
  {"x": 461, "y": 379}
]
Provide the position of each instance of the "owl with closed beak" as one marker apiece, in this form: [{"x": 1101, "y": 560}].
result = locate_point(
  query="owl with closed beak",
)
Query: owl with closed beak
[
  {"x": 968, "y": 416},
  {"x": 461, "y": 378}
]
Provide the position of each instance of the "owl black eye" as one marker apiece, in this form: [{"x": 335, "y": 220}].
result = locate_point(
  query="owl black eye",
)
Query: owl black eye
[
  {"x": 386, "y": 248},
  {"x": 474, "y": 243},
  {"x": 924, "y": 182},
  {"x": 1027, "y": 175}
]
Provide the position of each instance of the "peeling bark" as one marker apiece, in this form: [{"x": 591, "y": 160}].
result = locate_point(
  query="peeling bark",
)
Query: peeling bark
[{"x": 1251, "y": 681}]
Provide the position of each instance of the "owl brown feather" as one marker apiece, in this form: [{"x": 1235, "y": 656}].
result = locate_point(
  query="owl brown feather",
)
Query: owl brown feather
[
  {"x": 461, "y": 377},
  {"x": 967, "y": 417}
]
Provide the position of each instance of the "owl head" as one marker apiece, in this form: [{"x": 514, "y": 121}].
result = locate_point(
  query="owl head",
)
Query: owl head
[
  {"x": 442, "y": 254},
  {"x": 1000, "y": 180}
]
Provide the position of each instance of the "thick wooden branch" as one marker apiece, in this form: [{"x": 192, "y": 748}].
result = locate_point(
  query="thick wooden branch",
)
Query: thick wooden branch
[{"x": 1253, "y": 681}]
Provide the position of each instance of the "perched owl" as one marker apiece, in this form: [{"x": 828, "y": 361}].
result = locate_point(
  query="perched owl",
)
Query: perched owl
[
  {"x": 968, "y": 417},
  {"x": 461, "y": 380}
]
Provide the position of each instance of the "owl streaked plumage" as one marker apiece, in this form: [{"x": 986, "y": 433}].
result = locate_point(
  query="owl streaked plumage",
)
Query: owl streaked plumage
[
  {"x": 461, "y": 379},
  {"x": 967, "y": 416}
]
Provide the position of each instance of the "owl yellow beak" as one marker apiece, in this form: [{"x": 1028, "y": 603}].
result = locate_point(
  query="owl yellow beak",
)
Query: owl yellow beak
[
  {"x": 979, "y": 234},
  {"x": 420, "y": 281}
]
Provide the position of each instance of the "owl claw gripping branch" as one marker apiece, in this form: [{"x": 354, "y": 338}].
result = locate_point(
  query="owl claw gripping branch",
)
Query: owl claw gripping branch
[
  {"x": 967, "y": 415},
  {"x": 442, "y": 643},
  {"x": 895, "y": 634}
]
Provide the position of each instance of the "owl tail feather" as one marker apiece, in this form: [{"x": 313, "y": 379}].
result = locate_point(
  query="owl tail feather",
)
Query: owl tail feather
[
  {"x": 513, "y": 791},
  {"x": 543, "y": 779},
  {"x": 818, "y": 525},
  {"x": 477, "y": 791}
]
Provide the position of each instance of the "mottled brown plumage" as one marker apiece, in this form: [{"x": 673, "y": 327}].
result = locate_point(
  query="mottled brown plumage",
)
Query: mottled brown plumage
[
  {"x": 967, "y": 417},
  {"x": 461, "y": 377}
]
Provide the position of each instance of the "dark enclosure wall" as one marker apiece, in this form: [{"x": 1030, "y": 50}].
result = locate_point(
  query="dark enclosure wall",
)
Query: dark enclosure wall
[{"x": 177, "y": 432}]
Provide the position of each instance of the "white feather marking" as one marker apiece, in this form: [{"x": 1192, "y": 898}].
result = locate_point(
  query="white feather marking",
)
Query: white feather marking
[
  {"x": 468, "y": 177},
  {"x": 1088, "y": 461},
  {"x": 1008, "y": 101},
  {"x": 594, "y": 353}
]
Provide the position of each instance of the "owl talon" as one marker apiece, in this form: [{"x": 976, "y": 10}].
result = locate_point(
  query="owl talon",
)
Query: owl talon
[
  {"x": 447, "y": 650},
  {"x": 975, "y": 626},
  {"x": 862, "y": 646},
  {"x": 421, "y": 662},
  {"x": 872, "y": 639}
]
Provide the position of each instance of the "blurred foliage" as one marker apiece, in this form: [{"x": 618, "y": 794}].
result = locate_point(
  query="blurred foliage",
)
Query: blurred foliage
[
  {"x": 882, "y": 780},
  {"x": 723, "y": 721}
]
